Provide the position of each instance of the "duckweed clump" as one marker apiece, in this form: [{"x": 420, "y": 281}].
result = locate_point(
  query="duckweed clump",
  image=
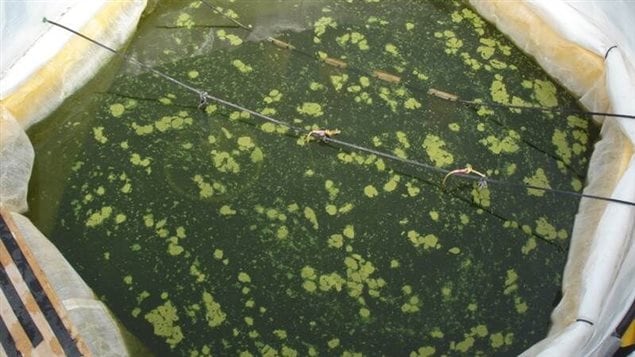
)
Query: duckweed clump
[{"x": 210, "y": 232}]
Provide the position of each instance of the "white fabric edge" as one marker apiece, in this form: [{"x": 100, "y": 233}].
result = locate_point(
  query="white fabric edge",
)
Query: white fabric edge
[
  {"x": 586, "y": 25},
  {"x": 565, "y": 344},
  {"x": 21, "y": 26},
  {"x": 614, "y": 233},
  {"x": 617, "y": 305},
  {"x": 49, "y": 44},
  {"x": 567, "y": 20}
]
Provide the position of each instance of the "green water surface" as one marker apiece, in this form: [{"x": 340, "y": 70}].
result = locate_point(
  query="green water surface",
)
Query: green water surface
[{"x": 208, "y": 231}]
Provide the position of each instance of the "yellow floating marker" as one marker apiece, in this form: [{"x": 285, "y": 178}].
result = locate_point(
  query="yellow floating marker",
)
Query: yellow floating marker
[
  {"x": 443, "y": 95},
  {"x": 384, "y": 76},
  {"x": 335, "y": 62},
  {"x": 281, "y": 44}
]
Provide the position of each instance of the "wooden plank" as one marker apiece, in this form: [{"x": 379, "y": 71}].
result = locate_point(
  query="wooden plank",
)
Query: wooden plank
[
  {"x": 66, "y": 340},
  {"x": 386, "y": 77},
  {"x": 16, "y": 332},
  {"x": 30, "y": 305}
]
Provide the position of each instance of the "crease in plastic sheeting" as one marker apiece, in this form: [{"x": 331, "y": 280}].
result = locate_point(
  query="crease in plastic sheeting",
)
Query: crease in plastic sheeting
[
  {"x": 16, "y": 163},
  {"x": 613, "y": 237},
  {"x": 620, "y": 77},
  {"x": 73, "y": 304},
  {"x": 21, "y": 25},
  {"x": 617, "y": 305},
  {"x": 565, "y": 343}
]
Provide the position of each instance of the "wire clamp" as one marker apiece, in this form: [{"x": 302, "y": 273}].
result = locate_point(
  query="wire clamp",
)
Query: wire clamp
[
  {"x": 482, "y": 183},
  {"x": 321, "y": 134},
  {"x": 202, "y": 99},
  {"x": 468, "y": 170},
  {"x": 606, "y": 55},
  {"x": 584, "y": 321}
]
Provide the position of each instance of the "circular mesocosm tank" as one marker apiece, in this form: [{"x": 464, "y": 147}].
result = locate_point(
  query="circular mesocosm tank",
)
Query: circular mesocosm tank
[{"x": 191, "y": 218}]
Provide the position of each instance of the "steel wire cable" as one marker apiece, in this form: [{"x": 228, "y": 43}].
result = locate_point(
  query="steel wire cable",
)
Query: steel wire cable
[
  {"x": 427, "y": 91},
  {"x": 204, "y": 97}
]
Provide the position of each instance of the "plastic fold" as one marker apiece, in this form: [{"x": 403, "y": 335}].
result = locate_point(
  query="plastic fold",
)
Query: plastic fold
[{"x": 16, "y": 163}]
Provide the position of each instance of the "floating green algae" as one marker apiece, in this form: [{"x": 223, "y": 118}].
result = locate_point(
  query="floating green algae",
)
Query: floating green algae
[
  {"x": 320, "y": 26},
  {"x": 98, "y": 217},
  {"x": 99, "y": 135},
  {"x": 241, "y": 66},
  {"x": 163, "y": 319},
  {"x": 233, "y": 40},
  {"x": 210, "y": 232},
  {"x": 116, "y": 110},
  {"x": 508, "y": 144},
  {"x": 310, "y": 109},
  {"x": 434, "y": 146},
  {"x": 539, "y": 179}
]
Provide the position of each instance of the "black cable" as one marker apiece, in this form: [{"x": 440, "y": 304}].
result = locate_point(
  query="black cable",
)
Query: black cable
[
  {"x": 627, "y": 320},
  {"x": 542, "y": 109}
]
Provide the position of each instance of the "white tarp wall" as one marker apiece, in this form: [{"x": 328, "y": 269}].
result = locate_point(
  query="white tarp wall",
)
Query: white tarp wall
[
  {"x": 40, "y": 67},
  {"x": 575, "y": 42}
]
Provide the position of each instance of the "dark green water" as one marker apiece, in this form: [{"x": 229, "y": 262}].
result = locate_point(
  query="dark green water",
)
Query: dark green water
[{"x": 211, "y": 232}]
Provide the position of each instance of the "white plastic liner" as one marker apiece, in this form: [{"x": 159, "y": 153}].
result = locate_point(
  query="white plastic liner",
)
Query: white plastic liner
[
  {"x": 570, "y": 39},
  {"x": 52, "y": 63},
  {"x": 20, "y": 27},
  {"x": 16, "y": 162}
]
